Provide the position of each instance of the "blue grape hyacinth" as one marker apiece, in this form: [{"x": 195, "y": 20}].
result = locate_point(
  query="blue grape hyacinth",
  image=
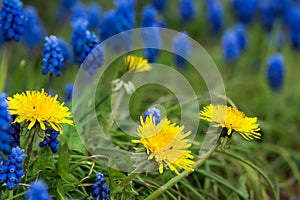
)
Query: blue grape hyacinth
[
  {"x": 64, "y": 8},
  {"x": 293, "y": 19},
  {"x": 83, "y": 41},
  {"x": 6, "y": 140},
  {"x": 155, "y": 114},
  {"x": 51, "y": 140},
  {"x": 275, "y": 71},
  {"x": 280, "y": 6},
  {"x": 215, "y": 15},
  {"x": 78, "y": 11},
  {"x": 267, "y": 15},
  {"x": 94, "y": 11},
  {"x": 68, "y": 92},
  {"x": 182, "y": 48},
  {"x": 37, "y": 191},
  {"x": 187, "y": 10},
  {"x": 14, "y": 132},
  {"x": 117, "y": 21},
  {"x": 12, "y": 20},
  {"x": 34, "y": 31},
  {"x": 94, "y": 59},
  {"x": 149, "y": 16},
  {"x": 240, "y": 31},
  {"x": 152, "y": 43},
  {"x": 244, "y": 10},
  {"x": 160, "y": 5},
  {"x": 100, "y": 189},
  {"x": 53, "y": 59},
  {"x": 66, "y": 50},
  {"x": 230, "y": 46},
  {"x": 11, "y": 170}
]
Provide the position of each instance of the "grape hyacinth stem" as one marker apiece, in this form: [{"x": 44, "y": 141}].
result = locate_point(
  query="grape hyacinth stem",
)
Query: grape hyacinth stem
[
  {"x": 132, "y": 175},
  {"x": 184, "y": 174},
  {"x": 32, "y": 134},
  {"x": 10, "y": 194},
  {"x": 49, "y": 82},
  {"x": 3, "y": 69},
  {"x": 116, "y": 106}
]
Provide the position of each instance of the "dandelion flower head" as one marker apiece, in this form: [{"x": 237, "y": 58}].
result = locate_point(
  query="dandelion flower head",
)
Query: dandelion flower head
[
  {"x": 232, "y": 120},
  {"x": 136, "y": 64},
  {"x": 166, "y": 143},
  {"x": 39, "y": 107}
]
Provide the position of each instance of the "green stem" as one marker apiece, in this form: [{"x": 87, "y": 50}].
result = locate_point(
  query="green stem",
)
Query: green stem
[
  {"x": 49, "y": 82},
  {"x": 29, "y": 151},
  {"x": 3, "y": 69},
  {"x": 10, "y": 194},
  {"x": 184, "y": 174},
  {"x": 116, "y": 107},
  {"x": 132, "y": 175},
  {"x": 18, "y": 195}
]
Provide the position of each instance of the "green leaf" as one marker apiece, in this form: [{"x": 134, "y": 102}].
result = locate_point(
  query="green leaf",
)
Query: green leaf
[
  {"x": 44, "y": 161},
  {"x": 256, "y": 168},
  {"x": 73, "y": 140},
  {"x": 223, "y": 181},
  {"x": 116, "y": 174},
  {"x": 60, "y": 190},
  {"x": 113, "y": 176},
  {"x": 63, "y": 165}
]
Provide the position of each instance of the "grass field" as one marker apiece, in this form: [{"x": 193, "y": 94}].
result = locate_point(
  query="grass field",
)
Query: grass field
[{"x": 106, "y": 118}]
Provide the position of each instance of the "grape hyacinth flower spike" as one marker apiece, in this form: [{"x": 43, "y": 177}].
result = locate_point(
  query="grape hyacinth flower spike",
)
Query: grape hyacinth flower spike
[
  {"x": 182, "y": 48},
  {"x": 155, "y": 113},
  {"x": 6, "y": 139},
  {"x": 51, "y": 140},
  {"x": 53, "y": 59},
  {"x": 11, "y": 170},
  {"x": 37, "y": 191},
  {"x": 12, "y": 20},
  {"x": 100, "y": 189},
  {"x": 275, "y": 72}
]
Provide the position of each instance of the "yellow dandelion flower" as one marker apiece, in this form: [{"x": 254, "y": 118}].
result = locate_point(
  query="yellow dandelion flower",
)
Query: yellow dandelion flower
[
  {"x": 136, "y": 64},
  {"x": 231, "y": 119},
  {"x": 166, "y": 143},
  {"x": 39, "y": 107}
]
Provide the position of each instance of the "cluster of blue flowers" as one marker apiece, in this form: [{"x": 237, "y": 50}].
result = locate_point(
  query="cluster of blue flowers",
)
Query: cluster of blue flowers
[
  {"x": 6, "y": 139},
  {"x": 64, "y": 8},
  {"x": 14, "y": 132},
  {"x": 11, "y": 170},
  {"x": 187, "y": 10},
  {"x": 293, "y": 18},
  {"x": 151, "y": 36},
  {"x": 92, "y": 13},
  {"x": 215, "y": 15},
  {"x": 234, "y": 41},
  {"x": 50, "y": 140},
  {"x": 245, "y": 10},
  {"x": 160, "y": 5},
  {"x": 11, "y": 20},
  {"x": 53, "y": 59},
  {"x": 155, "y": 113},
  {"x": 37, "y": 191},
  {"x": 83, "y": 41},
  {"x": 122, "y": 18},
  {"x": 68, "y": 92},
  {"x": 149, "y": 16},
  {"x": 182, "y": 48},
  {"x": 275, "y": 72},
  {"x": 100, "y": 189},
  {"x": 152, "y": 43},
  {"x": 34, "y": 31}
]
